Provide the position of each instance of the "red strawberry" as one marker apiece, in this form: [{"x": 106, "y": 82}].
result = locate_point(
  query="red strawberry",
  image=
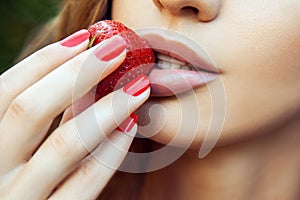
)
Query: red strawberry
[{"x": 139, "y": 60}]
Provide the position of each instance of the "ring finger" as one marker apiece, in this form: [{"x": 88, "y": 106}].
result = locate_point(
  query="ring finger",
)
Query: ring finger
[{"x": 94, "y": 172}]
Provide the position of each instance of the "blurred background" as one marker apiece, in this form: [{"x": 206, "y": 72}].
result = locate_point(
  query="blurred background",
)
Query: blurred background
[{"x": 18, "y": 20}]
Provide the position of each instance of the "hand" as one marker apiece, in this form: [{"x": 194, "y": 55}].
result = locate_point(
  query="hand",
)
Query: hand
[{"x": 64, "y": 164}]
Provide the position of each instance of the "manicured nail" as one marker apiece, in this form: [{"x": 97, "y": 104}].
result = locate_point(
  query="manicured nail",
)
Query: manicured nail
[
  {"x": 137, "y": 86},
  {"x": 128, "y": 124},
  {"x": 76, "y": 38},
  {"x": 110, "y": 49}
]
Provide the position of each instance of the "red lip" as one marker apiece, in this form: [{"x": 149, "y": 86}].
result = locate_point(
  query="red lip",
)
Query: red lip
[{"x": 168, "y": 82}]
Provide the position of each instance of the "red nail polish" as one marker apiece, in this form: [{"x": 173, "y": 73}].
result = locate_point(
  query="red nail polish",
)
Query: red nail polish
[
  {"x": 137, "y": 86},
  {"x": 110, "y": 49},
  {"x": 128, "y": 124},
  {"x": 76, "y": 38}
]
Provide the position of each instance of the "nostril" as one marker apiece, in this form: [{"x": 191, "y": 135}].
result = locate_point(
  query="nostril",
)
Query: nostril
[{"x": 190, "y": 8}]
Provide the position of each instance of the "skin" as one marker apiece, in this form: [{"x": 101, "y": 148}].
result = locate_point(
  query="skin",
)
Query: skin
[
  {"x": 67, "y": 158},
  {"x": 256, "y": 46}
]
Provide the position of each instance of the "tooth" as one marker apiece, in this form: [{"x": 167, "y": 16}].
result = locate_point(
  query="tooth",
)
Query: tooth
[
  {"x": 169, "y": 59},
  {"x": 164, "y": 64},
  {"x": 163, "y": 57},
  {"x": 175, "y": 61},
  {"x": 159, "y": 64},
  {"x": 156, "y": 65},
  {"x": 175, "y": 66},
  {"x": 185, "y": 67}
]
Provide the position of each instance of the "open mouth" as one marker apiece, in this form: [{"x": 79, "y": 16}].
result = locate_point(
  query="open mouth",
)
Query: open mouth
[
  {"x": 167, "y": 60},
  {"x": 181, "y": 65},
  {"x": 172, "y": 76}
]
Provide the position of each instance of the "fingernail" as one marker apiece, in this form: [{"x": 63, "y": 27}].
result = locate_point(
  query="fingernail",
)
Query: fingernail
[
  {"x": 76, "y": 38},
  {"x": 111, "y": 48},
  {"x": 137, "y": 86},
  {"x": 128, "y": 124}
]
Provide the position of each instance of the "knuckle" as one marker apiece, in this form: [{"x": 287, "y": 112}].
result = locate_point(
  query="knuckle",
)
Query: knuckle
[
  {"x": 23, "y": 107},
  {"x": 94, "y": 170},
  {"x": 64, "y": 145},
  {"x": 57, "y": 143},
  {"x": 42, "y": 55},
  {"x": 88, "y": 167},
  {"x": 75, "y": 65}
]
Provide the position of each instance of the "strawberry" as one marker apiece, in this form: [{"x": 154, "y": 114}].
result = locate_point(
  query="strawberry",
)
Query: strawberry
[{"x": 139, "y": 59}]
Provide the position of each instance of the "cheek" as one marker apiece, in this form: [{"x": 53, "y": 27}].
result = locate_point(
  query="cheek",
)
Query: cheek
[
  {"x": 259, "y": 53},
  {"x": 257, "y": 46}
]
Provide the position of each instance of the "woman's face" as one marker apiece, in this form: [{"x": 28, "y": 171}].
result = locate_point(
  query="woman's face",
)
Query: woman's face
[{"x": 255, "y": 45}]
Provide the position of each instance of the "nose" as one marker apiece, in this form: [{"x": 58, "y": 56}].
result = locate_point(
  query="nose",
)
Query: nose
[{"x": 205, "y": 10}]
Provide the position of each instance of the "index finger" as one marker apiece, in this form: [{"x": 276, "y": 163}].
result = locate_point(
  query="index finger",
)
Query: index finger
[{"x": 39, "y": 64}]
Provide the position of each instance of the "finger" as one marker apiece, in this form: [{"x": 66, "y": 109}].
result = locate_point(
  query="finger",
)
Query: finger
[
  {"x": 90, "y": 178},
  {"x": 72, "y": 141},
  {"x": 79, "y": 106},
  {"x": 38, "y": 105},
  {"x": 7, "y": 178},
  {"x": 36, "y": 66}
]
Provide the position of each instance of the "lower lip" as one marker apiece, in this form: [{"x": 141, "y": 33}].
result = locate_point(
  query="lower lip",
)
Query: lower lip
[{"x": 169, "y": 82}]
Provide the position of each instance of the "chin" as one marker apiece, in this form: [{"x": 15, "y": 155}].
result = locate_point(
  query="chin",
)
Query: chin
[
  {"x": 180, "y": 120},
  {"x": 183, "y": 121}
]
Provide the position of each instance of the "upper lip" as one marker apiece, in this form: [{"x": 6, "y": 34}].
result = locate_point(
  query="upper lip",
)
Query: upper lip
[{"x": 179, "y": 47}]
